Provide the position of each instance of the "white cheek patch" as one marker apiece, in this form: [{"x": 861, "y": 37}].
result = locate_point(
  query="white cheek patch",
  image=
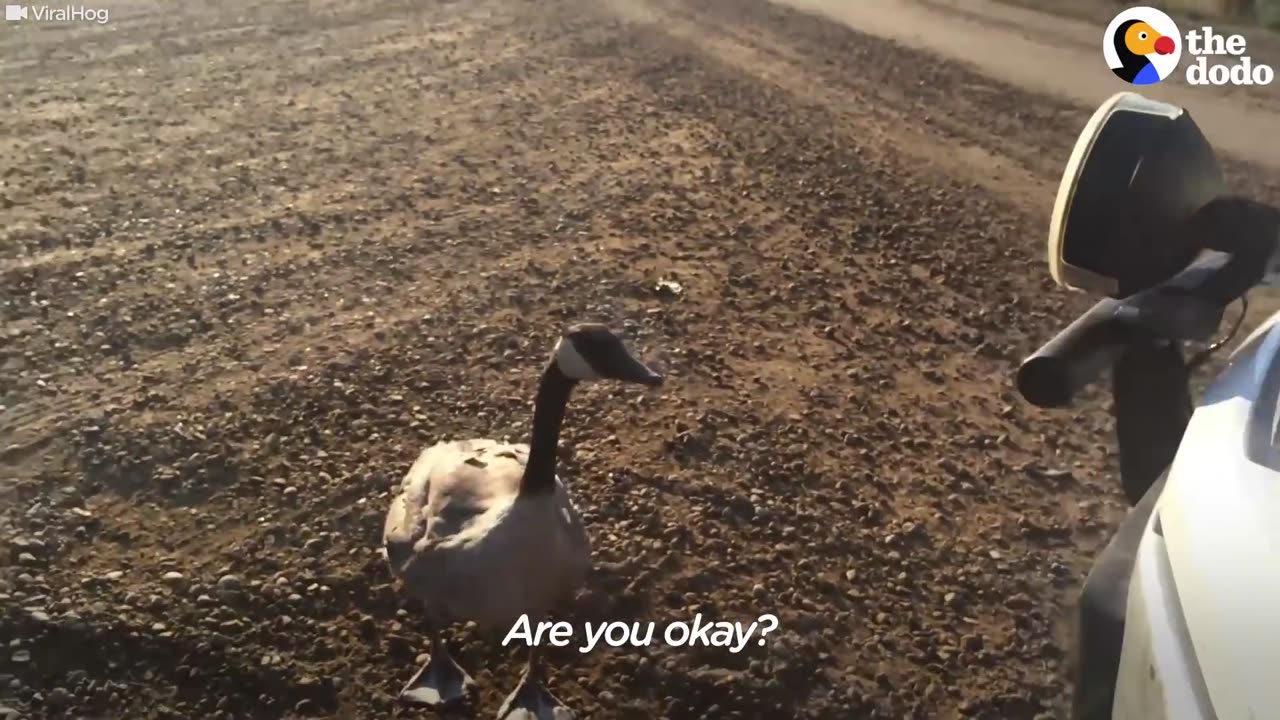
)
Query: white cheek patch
[{"x": 572, "y": 364}]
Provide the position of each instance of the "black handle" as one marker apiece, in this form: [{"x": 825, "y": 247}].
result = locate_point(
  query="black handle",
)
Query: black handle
[
  {"x": 1188, "y": 306},
  {"x": 1076, "y": 356}
]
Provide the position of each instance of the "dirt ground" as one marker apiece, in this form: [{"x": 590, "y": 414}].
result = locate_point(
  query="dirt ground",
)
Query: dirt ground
[{"x": 255, "y": 256}]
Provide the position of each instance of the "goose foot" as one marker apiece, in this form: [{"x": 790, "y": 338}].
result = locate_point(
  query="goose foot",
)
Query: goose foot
[
  {"x": 441, "y": 682},
  {"x": 532, "y": 701}
]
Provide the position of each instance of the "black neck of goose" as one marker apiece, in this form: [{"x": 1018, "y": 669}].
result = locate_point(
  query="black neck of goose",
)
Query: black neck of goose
[{"x": 548, "y": 416}]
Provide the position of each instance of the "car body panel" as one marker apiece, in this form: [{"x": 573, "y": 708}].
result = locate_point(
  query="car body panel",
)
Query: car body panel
[{"x": 1220, "y": 517}]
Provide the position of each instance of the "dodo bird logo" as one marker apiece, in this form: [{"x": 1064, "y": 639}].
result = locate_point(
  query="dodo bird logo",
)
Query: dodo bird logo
[{"x": 1142, "y": 46}]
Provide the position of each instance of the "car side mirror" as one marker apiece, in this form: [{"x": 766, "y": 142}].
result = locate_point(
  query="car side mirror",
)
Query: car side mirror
[{"x": 1139, "y": 170}]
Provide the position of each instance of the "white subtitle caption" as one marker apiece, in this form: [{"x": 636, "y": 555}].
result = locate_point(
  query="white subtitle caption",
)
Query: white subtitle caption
[{"x": 732, "y": 635}]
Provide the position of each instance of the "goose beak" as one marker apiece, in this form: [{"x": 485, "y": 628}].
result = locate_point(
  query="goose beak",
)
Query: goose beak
[
  {"x": 633, "y": 370},
  {"x": 645, "y": 376},
  {"x": 653, "y": 379}
]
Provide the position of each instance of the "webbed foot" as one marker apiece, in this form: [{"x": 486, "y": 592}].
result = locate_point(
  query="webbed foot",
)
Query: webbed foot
[
  {"x": 441, "y": 682},
  {"x": 532, "y": 701}
]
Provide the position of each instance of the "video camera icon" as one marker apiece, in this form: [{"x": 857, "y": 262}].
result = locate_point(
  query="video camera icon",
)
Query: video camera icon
[{"x": 15, "y": 12}]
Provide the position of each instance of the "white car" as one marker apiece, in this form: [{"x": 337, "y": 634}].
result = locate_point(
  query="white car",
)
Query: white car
[{"x": 1179, "y": 618}]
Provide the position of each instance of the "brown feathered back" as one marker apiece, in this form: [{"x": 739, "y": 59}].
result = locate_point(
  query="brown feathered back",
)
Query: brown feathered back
[{"x": 462, "y": 541}]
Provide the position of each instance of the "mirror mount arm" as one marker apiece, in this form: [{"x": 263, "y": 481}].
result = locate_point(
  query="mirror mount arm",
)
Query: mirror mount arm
[
  {"x": 1249, "y": 232},
  {"x": 1271, "y": 273},
  {"x": 1151, "y": 386}
]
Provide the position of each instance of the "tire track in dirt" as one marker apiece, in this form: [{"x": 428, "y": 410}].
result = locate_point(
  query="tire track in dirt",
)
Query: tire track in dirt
[
  {"x": 866, "y": 109},
  {"x": 977, "y": 33}
]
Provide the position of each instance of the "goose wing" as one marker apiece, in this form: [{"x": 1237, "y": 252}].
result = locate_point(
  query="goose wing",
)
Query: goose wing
[{"x": 449, "y": 488}]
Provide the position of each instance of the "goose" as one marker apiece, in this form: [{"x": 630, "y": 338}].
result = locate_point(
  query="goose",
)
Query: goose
[{"x": 484, "y": 531}]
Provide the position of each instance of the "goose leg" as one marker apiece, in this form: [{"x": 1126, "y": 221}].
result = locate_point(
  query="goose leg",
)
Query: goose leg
[
  {"x": 441, "y": 681},
  {"x": 531, "y": 700}
]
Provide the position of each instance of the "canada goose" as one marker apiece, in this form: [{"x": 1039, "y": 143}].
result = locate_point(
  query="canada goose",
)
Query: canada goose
[{"x": 485, "y": 531}]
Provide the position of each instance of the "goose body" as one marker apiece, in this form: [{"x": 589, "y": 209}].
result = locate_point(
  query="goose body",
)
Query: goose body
[
  {"x": 485, "y": 531},
  {"x": 462, "y": 540}
]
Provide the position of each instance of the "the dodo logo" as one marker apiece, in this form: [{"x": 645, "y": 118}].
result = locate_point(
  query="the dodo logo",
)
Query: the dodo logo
[{"x": 1142, "y": 46}]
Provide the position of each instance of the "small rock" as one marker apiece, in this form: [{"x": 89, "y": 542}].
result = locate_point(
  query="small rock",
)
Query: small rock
[
  {"x": 58, "y": 697},
  {"x": 230, "y": 583},
  {"x": 21, "y": 656},
  {"x": 174, "y": 578}
]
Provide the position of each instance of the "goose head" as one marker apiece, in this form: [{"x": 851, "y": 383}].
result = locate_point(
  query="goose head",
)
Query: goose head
[{"x": 593, "y": 352}]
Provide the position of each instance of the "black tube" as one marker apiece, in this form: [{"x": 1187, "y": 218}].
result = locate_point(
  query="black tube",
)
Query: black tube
[
  {"x": 1187, "y": 306},
  {"x": 1075, "y": 357}
]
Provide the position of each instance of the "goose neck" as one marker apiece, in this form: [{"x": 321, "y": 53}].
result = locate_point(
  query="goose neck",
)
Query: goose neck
[{"x": 548, "y": 417}]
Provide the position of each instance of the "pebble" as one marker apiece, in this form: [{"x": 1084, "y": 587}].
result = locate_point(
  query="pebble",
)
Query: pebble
[
  {"x": 230, "y": 583},
  {"x": 59, "y": 697}
]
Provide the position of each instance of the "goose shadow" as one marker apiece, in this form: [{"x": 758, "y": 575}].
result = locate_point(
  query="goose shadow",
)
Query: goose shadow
[{"x": 195, "y": 670}]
